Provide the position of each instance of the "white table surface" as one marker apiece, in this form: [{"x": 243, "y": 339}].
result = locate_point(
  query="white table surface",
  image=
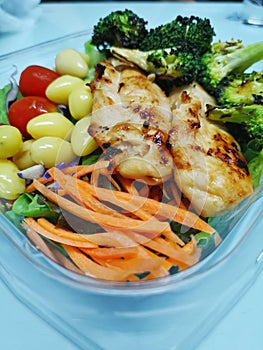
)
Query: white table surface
[{"x": 20, "y": 328}]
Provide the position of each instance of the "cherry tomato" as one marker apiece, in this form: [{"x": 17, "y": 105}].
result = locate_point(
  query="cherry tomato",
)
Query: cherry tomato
[
  {"x": 26, "y": 108},
  {"x": 35, "y": 79}
]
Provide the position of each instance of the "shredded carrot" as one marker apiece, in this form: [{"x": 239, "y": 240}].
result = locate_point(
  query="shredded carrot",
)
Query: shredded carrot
[
  {"x": 137, "y": 265},
  {"x": 136, "y": 241},
  {"x": 107, "y": 239},
  {"x": 151, "y": 206},
  {"x": 86, "y": 200},
  {"x": 82, "y": 170},
  {"x": 152, "y": 227},
  {"x": 93, "y": 269},
  {"x": 111, "y": 253},
  {"x": 69, "y": 184},
  {"x": 50, "y": 250},
  {"x": 127, "y": 185},
  {"x": 74, "y": 239},
  {"x": 160, "y": 245},
  {"x": 43, "y": 180},
  {"x": 73, "y": 186},
  {"x": 154, "y": 207}
]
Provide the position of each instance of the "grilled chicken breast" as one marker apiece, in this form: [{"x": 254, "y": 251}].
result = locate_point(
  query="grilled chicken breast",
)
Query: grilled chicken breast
[
  {"x": 131, "y": 119},
  {"x": 209, "y": 168}
]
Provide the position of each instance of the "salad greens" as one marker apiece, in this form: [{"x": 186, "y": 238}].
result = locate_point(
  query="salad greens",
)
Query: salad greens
[
  {"x": 3, "y": 112},
  {"x": 35, "y": 205},
  {"x": 255, "y": 166}
]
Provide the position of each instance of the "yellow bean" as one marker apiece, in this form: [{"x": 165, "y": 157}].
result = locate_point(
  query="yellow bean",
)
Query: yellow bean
[
  {"x": 23, "y": 159},
  {"x": 50, "y": 124},
  {"x": 11, "y": 186},
  {"x": 70, "y": 61},
  {"x": 50, "y": 151},
  {"x": 80, "y": 102},
  {"x": 10, "y": 141},
  {"x": 85, "y": 57},
  {"x": 58, "y": 91},
  {"x": 81, "y": 141}
]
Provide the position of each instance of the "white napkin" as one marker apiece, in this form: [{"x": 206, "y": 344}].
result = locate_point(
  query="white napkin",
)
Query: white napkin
[{"x": 16, "y": 15}]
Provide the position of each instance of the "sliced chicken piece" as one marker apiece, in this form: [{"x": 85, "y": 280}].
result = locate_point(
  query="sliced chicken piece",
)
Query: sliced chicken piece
[
  {"x": 131, "y": 119},
  {"x": 209, "y": 168}
]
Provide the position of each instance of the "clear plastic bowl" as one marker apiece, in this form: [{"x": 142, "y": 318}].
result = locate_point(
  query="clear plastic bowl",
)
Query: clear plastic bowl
[{"x": 171, "y": 313}]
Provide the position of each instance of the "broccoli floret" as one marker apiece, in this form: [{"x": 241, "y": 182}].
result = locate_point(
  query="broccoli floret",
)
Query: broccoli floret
[
  {"x": 119, "y": 28},
  {"x": 248, "y": 117},
  {"x": 171, "y": 51},
  {"x": 189, "y": 34},
  {"x": 168, "y": 63},
  {"x": 226, "y": 58},
  {"x": 243, "y": 88}
]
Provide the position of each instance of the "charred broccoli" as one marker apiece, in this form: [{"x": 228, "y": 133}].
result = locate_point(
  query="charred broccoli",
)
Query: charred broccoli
[
  {"x": 189, "y": 34},
  {"x": 119, "y": 28},
  {"x": 249, "y": 118},
  {"x": 225, "y": 58},
  {"x": 167, "y": 63},
  {"x": 244, "y": 88},
  {"x": 172, "y": 50}
]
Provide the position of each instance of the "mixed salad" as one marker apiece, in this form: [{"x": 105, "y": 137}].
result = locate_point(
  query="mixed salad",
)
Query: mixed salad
[{"x": 59, "y": 185}]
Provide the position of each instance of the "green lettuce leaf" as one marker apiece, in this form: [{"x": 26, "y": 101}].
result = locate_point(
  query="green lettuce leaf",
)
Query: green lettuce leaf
[
  {"x": 3, "y": 113},
  {"x": 35, "y": 205}
]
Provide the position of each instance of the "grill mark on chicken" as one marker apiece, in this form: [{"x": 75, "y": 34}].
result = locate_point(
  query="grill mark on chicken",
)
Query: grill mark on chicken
[
  {"x": 185, "y": 97},
  {"x": 210, "y": 170},
  {"x": 131, "y": 114},
  {"x": 121, "y": 85},
  {"x": 228, "y": 153},
  {"x": 100, "y": 70}
]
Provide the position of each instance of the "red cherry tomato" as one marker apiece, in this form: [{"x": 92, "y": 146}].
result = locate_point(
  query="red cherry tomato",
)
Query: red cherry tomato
[
  {"x": 26, "y": 108},
  {"x": 35, "y": 79}
]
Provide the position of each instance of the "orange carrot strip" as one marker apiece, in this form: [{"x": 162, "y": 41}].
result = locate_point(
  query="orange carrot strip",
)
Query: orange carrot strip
[
  {"x": 93, "y": 269},
  {"x": 75, "y": 240},
  {"x": 94, "y": 180},
  {"x": 43, "y": 180},
  {"x": 51, "y": 251},
  {"x": 145, "y": 253},
  {"x": 137, "y": 265},
  {"x": 107, "y": 239},
  {"x": 173, "y": 251},
  {"x": 82, "y": 170},
  {"x": 127, "y": 185},
  {"x": 152, "y": 206},
  {"x": 74, "y": 186},
  {"x": 111, "y": 253},
  {"x": 85, "y": 169},
  {"x": 160, "y": 245},
  {"x": 85, "y": 198},
  {"x": 62, "y": 232},
  {"x": 151, "y": 227},
  {"x": 111, "y": 239}
]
